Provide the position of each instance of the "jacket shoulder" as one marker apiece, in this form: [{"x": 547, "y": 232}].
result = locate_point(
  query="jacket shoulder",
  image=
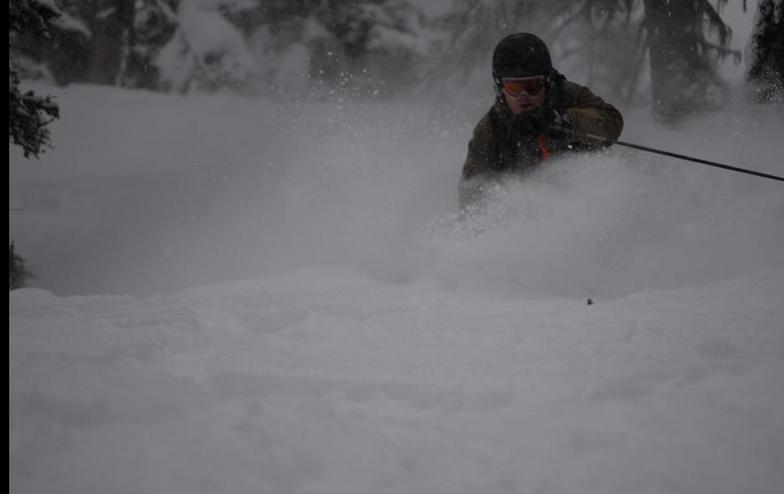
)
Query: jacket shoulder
[
  {"x": 590, "y": 113},
  {"x": 483, "y": 137},
  {"x": 576, "y": 94},
  {"x": 484, "y": 128}
]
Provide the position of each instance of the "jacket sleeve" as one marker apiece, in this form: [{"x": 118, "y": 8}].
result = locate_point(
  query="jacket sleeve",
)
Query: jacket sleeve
[
  {"x": 590, "y": 114},
  {"x": 478, "y": 166},
  {"x": 479, "y": 159}
]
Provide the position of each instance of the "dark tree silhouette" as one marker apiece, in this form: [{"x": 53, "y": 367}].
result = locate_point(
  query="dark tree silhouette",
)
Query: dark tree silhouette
[
  {"x": 682, "y": 41},
  {"x": 28, "y": 114},
  {"x": 111, "y": 31},
  {"x": 767, "y": 52},
  {"x": 682, "y": 59},
  {"x": 17, "y": 272}
]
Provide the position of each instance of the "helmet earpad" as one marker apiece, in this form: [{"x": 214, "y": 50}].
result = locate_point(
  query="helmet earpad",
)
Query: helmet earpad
[{"x": 497, "y": 83}]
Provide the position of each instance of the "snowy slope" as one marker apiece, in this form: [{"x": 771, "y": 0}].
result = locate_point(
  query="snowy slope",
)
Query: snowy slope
[
  {"x": 323, "y": 380},
  {"x": 244, "y": 296}
]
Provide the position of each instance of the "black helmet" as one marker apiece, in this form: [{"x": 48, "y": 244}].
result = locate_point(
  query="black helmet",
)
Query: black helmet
[{"x": 521, "y": 55}]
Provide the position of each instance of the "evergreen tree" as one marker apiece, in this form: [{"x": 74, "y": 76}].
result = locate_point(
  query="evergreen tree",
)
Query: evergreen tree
[
  {"x": 111, "y": 31},
  {"x": 601, "y": 43},
  {"x": 62, "y": 52},
  {"x": 17, "y": 273},
  {"x": 767, "y": 52},
  {"x": 205, "y": 52},
  {"x": 613, "y": 46},
  {"x": 683, "y": 60},
  {"x": 28, "y": 114},
  {"x": 370, "y": 47},
  {"x": 154, "y": 26}
]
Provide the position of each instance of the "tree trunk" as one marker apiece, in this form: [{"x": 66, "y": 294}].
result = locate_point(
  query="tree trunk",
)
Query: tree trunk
[
  {"x": 113, "y": 21},
  {"x": 683, "y": 80}
]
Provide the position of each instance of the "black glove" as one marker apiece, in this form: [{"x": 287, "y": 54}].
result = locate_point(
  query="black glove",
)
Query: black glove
[
  {"x": 561, "y": 120},
  {"x": 554, "y": 121},
  {"x": 545, "y": 120}
]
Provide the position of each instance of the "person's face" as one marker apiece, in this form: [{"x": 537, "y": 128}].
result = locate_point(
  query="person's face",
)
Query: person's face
[{"x": 523, "y": 94}]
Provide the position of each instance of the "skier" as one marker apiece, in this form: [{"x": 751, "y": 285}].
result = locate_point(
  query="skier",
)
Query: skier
[{"x": 535, "y": 116}]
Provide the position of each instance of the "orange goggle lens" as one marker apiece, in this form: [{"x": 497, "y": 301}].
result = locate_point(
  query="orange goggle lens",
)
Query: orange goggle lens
[{"x": 515, "y": 86}]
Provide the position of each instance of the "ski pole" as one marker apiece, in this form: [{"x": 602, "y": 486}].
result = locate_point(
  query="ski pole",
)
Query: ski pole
[{"x": 595, "y": 137}]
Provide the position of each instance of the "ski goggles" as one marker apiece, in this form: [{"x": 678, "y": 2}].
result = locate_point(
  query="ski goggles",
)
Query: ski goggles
[{"x": 515, "y": 86}]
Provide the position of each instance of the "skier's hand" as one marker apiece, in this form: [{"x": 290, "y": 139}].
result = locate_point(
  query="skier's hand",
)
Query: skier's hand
[
  {"x": 555, "y": 121},
  {"x": 560, "y": 120},
  {"x": 545, "y": 120}
]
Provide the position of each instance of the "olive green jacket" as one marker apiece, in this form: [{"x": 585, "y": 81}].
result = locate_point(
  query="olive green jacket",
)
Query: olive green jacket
[{"x": 499, "y": 148}]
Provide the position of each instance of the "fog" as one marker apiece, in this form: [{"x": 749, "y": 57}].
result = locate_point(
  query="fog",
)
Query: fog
[{"x": 147, "y": 193}]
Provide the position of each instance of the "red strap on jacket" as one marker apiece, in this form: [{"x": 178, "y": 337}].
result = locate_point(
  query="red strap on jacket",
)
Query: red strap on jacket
[{"x": 543, "y": 147}]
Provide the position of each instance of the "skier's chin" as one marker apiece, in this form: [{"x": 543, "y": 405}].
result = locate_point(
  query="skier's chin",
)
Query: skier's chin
[{"x": 524, "y": 108}]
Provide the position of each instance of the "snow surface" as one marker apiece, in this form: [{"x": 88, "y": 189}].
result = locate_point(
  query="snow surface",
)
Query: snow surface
[
  {"x": 247, "y": 296},
  {"x": 323, "y": 381}
]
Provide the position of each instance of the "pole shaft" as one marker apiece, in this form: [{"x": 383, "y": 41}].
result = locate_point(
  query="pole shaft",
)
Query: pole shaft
[
  {"x": 595, "y": 137},
  {"x": 698, "y": 160}
]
